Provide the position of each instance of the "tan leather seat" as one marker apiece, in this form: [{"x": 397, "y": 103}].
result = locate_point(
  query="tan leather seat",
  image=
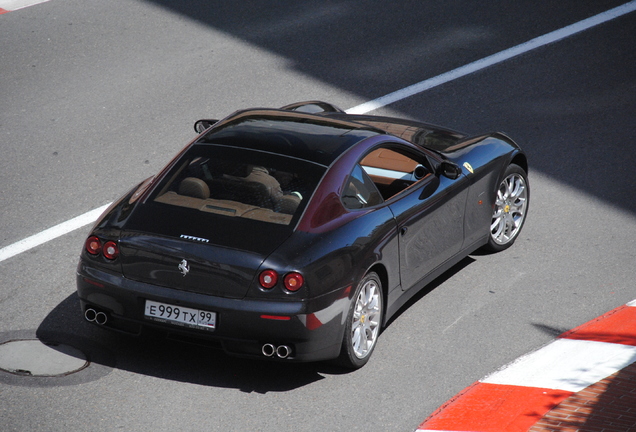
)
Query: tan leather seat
[
  {"x": 194, "y": 187},
  {"x": 240, "y": 190},
  {"x": 258, "y": 174}
]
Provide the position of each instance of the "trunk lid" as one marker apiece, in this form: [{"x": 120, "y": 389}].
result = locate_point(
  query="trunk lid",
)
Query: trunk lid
[
  {"x": 222, "y": 254},
  {"x": 189, "y": 266}
]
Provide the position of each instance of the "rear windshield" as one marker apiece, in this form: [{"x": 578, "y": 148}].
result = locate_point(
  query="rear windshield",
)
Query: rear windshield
[{"x": 238, "y": 183}]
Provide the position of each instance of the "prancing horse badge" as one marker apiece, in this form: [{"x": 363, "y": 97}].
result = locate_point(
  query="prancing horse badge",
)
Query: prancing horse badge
[{"x": 184, "y": 268}]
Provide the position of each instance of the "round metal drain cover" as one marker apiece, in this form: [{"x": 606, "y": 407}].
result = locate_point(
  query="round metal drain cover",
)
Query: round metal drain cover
[{"x": 31, "y": 357}]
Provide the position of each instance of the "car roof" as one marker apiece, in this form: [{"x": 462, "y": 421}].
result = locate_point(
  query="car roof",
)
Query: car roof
[
  {"x": 314, "y": 138},
  {"x": 421, "y": 134}
]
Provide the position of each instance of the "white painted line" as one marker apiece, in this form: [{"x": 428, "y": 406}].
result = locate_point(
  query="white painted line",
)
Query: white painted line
[
  {"x": 12, "y": 5},
  {"x": 51, "y": 233},
  {"x": 566, "y": 364},
  {"x": 494, "y": 59},
  {"x": 66, "y": 227}
]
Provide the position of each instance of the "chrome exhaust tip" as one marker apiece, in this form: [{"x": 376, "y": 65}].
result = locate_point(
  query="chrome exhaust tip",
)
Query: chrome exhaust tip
[
  {"x": 283, "y": 351},
  {"x": 90, "y": 314},
  {"x": 101, "y": 318},
  {"x": 268, "y": 350}
]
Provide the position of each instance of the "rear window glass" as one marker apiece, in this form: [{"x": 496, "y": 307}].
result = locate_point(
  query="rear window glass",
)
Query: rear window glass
[{"x": 234, "y": 182}]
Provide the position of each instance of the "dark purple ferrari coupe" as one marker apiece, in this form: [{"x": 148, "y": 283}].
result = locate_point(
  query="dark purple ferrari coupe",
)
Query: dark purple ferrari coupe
[{"x": 296, "y": 233}]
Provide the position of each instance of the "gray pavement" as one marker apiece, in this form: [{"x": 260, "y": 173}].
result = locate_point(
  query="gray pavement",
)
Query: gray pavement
[{"x": 96, "y": 96}]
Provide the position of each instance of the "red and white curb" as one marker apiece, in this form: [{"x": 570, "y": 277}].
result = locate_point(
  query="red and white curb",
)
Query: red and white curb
[
  {"x": 12, "y": 5},
  {"x": 521, "y": 393}
]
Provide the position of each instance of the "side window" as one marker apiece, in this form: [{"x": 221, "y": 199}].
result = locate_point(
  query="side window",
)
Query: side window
[
  {"x": 393, "y": 169},
  {"x": 360, "y": 191}
]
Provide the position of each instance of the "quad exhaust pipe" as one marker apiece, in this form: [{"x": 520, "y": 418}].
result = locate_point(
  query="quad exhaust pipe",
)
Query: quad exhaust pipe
[
  {"x": 98, "y": 317},
  {"x": 268, "y": 350},
  {"x": 281, "y": 351}
]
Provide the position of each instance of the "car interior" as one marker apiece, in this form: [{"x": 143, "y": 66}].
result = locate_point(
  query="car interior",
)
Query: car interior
[
  {"x": 235, "y": 189},
  {"x": 390, "y": 171}
]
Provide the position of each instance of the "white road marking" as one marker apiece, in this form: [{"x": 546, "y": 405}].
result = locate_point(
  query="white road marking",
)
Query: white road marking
[
  {"x": 494, "y": 59},
  {"x": 566, "y": 364},
  {"x": 51, "y": 233},
  {"x": 12, "y": 5},
  {"x": 82, "y": 220}
]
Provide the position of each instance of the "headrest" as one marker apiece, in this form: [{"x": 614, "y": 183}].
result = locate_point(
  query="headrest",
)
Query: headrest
[
  {"x": 241, "y": 170},
  {"x": 194, "y": 187}
]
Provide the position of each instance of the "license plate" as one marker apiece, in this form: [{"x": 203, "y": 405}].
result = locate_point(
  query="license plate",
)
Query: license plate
[{"x": 179, "y": 315}]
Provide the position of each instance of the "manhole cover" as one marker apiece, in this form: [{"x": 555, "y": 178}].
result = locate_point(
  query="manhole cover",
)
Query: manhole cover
[{"x": 31, "y": 357}]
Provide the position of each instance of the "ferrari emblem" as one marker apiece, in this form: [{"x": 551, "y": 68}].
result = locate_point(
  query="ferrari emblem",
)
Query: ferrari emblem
[
  {"x": 184, "y": 268},
  {"x": 468, "y": 167},
  {"x": 507, "y": 209}
]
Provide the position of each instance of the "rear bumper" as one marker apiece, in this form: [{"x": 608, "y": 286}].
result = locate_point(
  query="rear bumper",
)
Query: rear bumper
[{"x": 312, "y": 329}]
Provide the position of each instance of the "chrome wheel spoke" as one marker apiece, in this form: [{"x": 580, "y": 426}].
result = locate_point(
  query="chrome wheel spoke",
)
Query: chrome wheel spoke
[
  {"x": 508, "y": 190},
  {"x": 496, "y": 220},
  {"x": 364, "y": 340},
  {"x": 496, "y": 228},
  {"x": 518, "y": 190},
  {"x": 355, "y": 339},
  {"x": 373, "y": 318}
]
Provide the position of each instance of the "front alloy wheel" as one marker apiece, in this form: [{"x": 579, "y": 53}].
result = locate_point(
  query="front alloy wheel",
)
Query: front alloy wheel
[
  {"x": 363, "y": 323},
  {"x": 510, "y": 210}
]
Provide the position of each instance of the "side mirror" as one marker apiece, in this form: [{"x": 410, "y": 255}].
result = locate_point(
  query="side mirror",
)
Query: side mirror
[
  {"x": 202, "y": 125},
  {"x": 450, "y": 170}
]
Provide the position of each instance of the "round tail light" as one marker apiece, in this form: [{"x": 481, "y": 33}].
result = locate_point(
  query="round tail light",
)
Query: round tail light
[
  {"x": 294, "y": 281},
  {"x": 93, "y": 245},
  {"x": 268, "y": 279},
  {"x": 111, "y": 250}
]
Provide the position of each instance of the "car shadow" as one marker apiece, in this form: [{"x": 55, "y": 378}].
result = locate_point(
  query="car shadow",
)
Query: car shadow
[
  {"x": 430, "y": 287},
  {"x": 160, "y": 357},
  {"x": 173, "y": 360}
]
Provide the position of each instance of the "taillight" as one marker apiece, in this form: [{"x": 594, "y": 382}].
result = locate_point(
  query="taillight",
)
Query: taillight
[
  {"x": 93, "y": 245},
  {"x": 268, "y": 279},
  {"x": 110, "y": 250},
  {"x": 294, "y": 281}
]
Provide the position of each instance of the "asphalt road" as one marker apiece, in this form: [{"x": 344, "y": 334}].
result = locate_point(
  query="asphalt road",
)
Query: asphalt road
[{"x": 96, "y": 96}]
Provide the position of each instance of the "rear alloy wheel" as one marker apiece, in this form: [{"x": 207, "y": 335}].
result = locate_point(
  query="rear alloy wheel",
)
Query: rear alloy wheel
[
  {"x": 363, "y": 323},
  {"x": 510, "y": 209}
]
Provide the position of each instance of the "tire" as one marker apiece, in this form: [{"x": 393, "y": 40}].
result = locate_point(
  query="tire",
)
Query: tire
[
  {"x": 363, "y": 324},
  {"x": 510, "y": 209}
]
